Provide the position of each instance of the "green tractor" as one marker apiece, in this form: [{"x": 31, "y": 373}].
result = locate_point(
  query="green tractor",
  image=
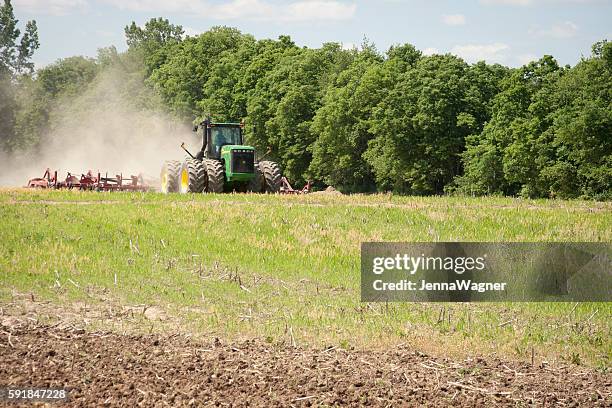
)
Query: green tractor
[{"x": 224, "y": 164}]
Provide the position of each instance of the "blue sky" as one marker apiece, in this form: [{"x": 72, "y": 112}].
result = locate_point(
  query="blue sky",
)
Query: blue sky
[{"x": 511, "y": 32}]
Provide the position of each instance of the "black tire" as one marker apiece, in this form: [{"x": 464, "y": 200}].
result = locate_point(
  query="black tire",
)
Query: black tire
[
  {"x": 195, "y": 177},
  {"x": 271, "y": 176},
  {"x": 256, "y": 184},
  {"x": 170, "y": 176},
  {"x": 215, "y": 176}
]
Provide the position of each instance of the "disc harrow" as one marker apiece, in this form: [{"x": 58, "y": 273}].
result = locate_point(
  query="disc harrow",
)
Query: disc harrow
[{"x": 89, "y": 181}]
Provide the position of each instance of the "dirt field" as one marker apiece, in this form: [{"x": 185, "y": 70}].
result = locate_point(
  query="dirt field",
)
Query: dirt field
[
  {"x": 120, "y": 298},
  {"x": 109, "y": 369}
]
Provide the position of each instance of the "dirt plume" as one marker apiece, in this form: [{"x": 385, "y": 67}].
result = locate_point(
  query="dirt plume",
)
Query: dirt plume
[{"x": 102, "y": 129}]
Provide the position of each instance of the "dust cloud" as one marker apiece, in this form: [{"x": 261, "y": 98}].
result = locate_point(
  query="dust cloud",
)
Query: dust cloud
[{"x": 102, "y": 130}]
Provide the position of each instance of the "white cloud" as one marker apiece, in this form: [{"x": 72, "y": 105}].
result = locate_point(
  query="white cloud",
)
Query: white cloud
[
  {"x": 491, "y": 53},
  {"x": 430, "y": 51},
  {"x": 453, "y": 19},
  {"x": 264, "y": 10},
  {"x": 50, "y": 7},
  {"x": 237, "y": 9},
  {"x": 566, "y": 29},
  {"x": 160, "y": 6}
]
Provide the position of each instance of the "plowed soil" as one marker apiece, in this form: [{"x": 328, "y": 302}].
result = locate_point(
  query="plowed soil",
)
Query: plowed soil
[{"x": 109, "y": 369}]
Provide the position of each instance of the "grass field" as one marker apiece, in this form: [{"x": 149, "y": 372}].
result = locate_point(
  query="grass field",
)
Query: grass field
[{"x": 286, "y": 269}]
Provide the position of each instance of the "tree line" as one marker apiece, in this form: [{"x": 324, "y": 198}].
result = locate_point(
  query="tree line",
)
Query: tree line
[{"x": 360, "y": 120}]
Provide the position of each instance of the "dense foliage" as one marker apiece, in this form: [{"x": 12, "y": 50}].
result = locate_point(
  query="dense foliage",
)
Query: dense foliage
[
  {"x": 550, "y": 133},
  {"x": 15, "y": 63},
  {"x": 359, "y": 120}
]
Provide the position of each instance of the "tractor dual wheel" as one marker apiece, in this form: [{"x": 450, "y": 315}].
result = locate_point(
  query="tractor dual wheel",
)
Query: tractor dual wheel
[
  {"x": 215, "y": 176},
  {"x": 192, "y": 177},
  {"x": 271, "y": 176},
  {"x": 170, "y": 176}
]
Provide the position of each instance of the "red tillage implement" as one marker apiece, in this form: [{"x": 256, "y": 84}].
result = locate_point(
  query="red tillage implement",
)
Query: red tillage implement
[
  {"x": 46, "y": 181},
  {"x": 119, "y": 183},
  {"x": 89, "y": 181},
  {"x": 287, "y": 189}
]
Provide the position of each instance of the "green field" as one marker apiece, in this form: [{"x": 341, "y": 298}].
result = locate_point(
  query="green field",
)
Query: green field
[{"x": 286, "y": 268}]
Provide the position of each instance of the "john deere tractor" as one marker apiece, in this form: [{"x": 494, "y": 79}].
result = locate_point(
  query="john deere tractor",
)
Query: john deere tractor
[{"x": 224, "y": 164}]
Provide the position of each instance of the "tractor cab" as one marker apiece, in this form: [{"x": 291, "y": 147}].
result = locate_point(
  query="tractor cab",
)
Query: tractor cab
[
  {"x": 217, "y": 135},
  {"x": 224, "y": 142}
]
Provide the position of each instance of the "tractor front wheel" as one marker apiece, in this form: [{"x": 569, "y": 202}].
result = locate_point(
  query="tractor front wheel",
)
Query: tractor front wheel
[
  {"x": 170, "y": 176},
  {"x": 271, "y": 176},
  {"x": 215, "y": 176},
  {"x": 192, "y": 177}
]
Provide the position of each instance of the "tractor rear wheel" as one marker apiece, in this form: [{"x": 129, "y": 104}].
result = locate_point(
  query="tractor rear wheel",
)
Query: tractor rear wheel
[
  {"x": 170, "y": 176},
  {"x": 192, "y": 177},
  {"x": 215, "y": 176},
  {"x": 271, "y": 175}
]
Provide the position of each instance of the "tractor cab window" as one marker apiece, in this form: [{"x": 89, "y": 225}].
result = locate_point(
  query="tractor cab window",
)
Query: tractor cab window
[{"x": 222, "y": 135}]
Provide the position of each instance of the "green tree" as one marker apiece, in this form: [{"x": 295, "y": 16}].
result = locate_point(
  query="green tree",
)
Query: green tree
[
  {"x": 286, "y": 99},
  {"x": 578, "y": 140},
  {"x": 491, "y": 165},
  {"x": 153, "y": 41},
  {"x": 181, "y": 78},
  {"x": 15, "y": 54},
  {"x": 549, "y": 135},
  {"x": 342, "y": 123},
  {"x": 261, "y": 101},
  {"x": 420, "y": 127},
  {"x": 15, "y": 61},
  {"x": 224, "y": 96},
  {"x": 42, "y": 100},
  {"x": 67, "y": 77},
  {"x": 156, "y": 33}
]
